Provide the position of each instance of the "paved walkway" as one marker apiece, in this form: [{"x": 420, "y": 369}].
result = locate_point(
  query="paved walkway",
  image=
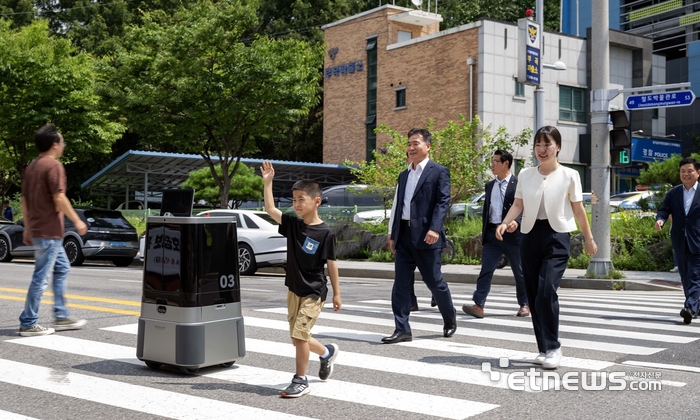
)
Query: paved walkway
[{"x": 573, "y": 278}]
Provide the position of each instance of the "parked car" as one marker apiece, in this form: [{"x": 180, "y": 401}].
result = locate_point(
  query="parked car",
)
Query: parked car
[
  {"x": 630, "y": 200},
  {"x": 374, "y": 217},
  {"x": 470, "y": 208},
  {"x": 139, "y": 205},
  {"x": 109, "y": 237},
  {"x": 259, "y": 243},
  {"x": 350, "y": 195}
]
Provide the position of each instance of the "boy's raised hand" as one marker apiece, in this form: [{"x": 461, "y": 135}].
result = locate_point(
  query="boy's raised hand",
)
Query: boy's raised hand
[{"x": 268, "y": 172}]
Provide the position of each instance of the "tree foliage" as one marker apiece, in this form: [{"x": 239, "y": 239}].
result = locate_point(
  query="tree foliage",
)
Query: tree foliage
[
  {"x": 245, "y": 185},
  {"x": 665, "y": 171},
  {"x": 464, "y": 147},
  {"x": 43, "y": 79},
  {"x": 460, "y": 12},
  {"x": 191, "y": 84}
]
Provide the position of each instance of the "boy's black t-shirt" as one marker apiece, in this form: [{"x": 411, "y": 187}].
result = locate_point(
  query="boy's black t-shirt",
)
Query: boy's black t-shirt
[{"x": 308, "y": 249}]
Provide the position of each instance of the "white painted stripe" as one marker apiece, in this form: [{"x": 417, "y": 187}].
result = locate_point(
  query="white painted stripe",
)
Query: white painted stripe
[
  {"x": 364, "y": 361},
  {"x": 489, "y": 353},
  {"x": 131, "y": 397},
  {"x": 614, "y": 296},
  {"x": 673, "y": 324},
  {"x": 667, "y": 297},
  {"x": 596, "y": 304},
  {"x": 565, "y": 309},
  {"x": 400, "y": 366},
  {"x": 496, "y": 335},
  {"x": 338, "y": 390},
  {"x": 526, "y": 323},
  {"x": 125, "y": 281},
  {"x": 6, "y": 415},
  {"x": 662, "y": 366},
  {"x": 257, "y": 290}
]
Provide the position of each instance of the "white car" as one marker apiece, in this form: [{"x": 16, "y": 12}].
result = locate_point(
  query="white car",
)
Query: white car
[
  {"x": 374, "y": 217},
  {"x": 259, "y": 243}
]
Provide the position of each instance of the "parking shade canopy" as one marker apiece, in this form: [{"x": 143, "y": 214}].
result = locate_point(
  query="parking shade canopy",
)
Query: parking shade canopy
[{"x": 152, "y": 172}]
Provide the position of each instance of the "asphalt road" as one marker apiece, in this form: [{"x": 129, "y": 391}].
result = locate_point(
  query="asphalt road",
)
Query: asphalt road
[{"x": 93, "y": 373}]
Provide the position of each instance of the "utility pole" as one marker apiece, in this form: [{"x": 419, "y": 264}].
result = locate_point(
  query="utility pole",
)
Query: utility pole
[{"x": 600, "y": 264}]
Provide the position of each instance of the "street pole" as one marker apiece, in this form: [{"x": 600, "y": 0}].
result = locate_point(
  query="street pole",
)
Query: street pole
[
  {"x": 601, "y": 264},
  {"x": 539, "y": 90}
]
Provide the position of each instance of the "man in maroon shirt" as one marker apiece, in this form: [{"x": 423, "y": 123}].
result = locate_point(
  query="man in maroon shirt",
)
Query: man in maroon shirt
[{"x": 44, "y": 203}]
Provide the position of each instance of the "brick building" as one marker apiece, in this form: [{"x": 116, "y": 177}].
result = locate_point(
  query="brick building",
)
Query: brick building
[{"x": 391, "y": 65}]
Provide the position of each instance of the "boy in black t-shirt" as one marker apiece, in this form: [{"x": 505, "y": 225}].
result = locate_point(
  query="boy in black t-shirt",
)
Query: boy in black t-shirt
[{"x": 310, "y": 245}]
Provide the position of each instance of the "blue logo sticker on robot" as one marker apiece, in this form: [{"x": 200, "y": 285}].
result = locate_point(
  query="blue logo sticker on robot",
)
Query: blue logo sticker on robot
[{"x": 310, "y": 246}]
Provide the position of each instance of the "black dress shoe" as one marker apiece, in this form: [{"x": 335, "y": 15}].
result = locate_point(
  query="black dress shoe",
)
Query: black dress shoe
[
  {"x": 397, "y": 337},
  {"x": 687, "y": 315},
  {"x": 449, "y": 329},
  {"x": 432, "y": 302},
  {"x": 414, "y": 308}
]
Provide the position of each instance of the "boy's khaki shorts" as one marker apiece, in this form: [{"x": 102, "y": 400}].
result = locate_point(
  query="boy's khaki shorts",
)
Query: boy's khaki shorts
[{"x": 302, "y": 313}]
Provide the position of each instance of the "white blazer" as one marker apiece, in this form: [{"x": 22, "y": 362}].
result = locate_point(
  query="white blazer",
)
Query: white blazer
[{"x": 558, "y": 190}]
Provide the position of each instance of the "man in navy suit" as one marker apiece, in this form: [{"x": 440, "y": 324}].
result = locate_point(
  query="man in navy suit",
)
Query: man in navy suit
[
  {"x": 682, "y": 203},
  {"x": 417, "y": 235},
  {"x": 500, "y": 193}
]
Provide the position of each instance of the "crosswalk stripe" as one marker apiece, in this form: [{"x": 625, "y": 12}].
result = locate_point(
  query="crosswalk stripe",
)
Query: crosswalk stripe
[
  {"x": 366, "y": 361},
  {"x": 644, "y": 302},
  {"x": 576, "y": 302},
  {"x": 338, "y": 390},
  {"x": 659, "y": 300},
  {"x": 497, "y": 335},
  {"x": 525, "y": 323},
  {"x": 407, "y": 367},
  {"x": 662, "y": 366},
  {"x": 672, "y": 325},
  {"x": 131, "y": 397},
  {"x": 428, "y": 344},
  {"x": 567, "y": 309},
  {"x": 6, "y": 415}
]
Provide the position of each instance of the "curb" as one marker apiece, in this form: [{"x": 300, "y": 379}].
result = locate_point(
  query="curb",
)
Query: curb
[{"x": 506, "y": 279}]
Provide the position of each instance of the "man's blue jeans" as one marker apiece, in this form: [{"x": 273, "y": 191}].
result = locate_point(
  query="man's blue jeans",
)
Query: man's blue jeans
[{"x": 49, "y": 259}]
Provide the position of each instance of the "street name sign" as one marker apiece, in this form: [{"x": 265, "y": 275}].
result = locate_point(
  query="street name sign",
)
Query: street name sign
[{"x": 660, "y": 100}]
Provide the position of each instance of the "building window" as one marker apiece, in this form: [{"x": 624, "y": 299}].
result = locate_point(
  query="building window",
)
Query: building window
[
  {"x": 400, "y": 98},
  {"x": 371, "y": 122},
  {"x": 572, "y": 104},
  {"x": 403, "y": 36},
  {"x": 519, "y": 88}
]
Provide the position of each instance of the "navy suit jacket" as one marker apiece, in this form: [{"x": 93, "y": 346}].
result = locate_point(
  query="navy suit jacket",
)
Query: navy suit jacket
[
  {"x": 508, "y": 198},
  {"x": 683, "y": 227},
  {"x": 429, "y": 205}
]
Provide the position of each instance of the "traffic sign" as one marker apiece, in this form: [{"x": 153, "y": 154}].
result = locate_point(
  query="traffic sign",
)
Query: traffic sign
[{"x": 660, "y": 100}]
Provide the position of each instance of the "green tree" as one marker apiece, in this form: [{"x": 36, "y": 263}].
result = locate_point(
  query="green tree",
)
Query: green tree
[
  {"x": 381, "y": 173},
  {"x": 465, "y": 148},
  {"x": 459, "y": 12},
  {"x": 245, "y": 185},
  {"x": 20, "y": 12},
  {"x": 192, "y": 85},
  {"x": 665, "y": 171},
  {"x": 45, "y": 79}
]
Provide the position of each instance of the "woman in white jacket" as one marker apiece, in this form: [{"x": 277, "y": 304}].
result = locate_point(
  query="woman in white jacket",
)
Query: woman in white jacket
[{"x": 550, "y": 198}]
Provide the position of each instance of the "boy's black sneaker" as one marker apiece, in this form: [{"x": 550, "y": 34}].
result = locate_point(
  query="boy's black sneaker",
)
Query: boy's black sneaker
[
  {"x": 297, "y": 388},
  {"x": 327, "y": 364}
]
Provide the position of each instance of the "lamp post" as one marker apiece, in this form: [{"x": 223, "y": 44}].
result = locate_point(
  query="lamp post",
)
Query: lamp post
[{"x": 539, "y": 99}]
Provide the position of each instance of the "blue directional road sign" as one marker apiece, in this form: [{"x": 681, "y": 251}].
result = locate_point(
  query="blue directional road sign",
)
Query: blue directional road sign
[{"x": 660, "y": 100}]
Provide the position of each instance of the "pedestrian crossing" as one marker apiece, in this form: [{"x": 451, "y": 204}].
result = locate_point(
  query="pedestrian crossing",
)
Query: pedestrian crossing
[{"x": 599, "y": 332}]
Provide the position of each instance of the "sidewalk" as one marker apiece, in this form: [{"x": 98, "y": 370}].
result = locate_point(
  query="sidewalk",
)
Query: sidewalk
[{"x": 573, "y": 278}]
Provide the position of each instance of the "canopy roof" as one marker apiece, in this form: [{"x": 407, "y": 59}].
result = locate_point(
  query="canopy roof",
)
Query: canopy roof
[{"x": 138, "y": 170}]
